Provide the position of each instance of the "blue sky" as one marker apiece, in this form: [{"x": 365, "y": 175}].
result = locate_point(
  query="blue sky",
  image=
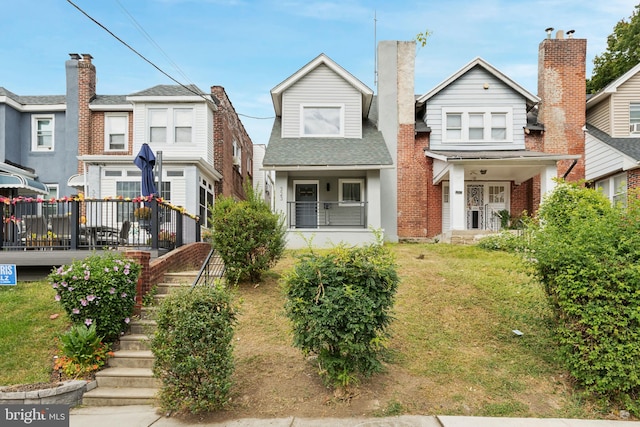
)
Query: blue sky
[{"x": 248, "y": 47}]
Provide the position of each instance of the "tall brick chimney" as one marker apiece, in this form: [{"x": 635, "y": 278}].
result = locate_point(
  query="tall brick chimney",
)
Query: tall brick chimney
[
  {"x": 86, "y": 93},
  {"x": 562, "y": 90}
]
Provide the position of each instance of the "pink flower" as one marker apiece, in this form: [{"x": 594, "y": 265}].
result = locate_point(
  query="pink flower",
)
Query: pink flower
[
  {"x": 126, "y": 271},
  {"x": 124, "y": 295},
  {"x": 75, "y": 311},
  {"x": 55, "y": 285},
  {"x": 88, "y": 322},
  {"x": 83, "y": 302},
  {"x": 57, "y": 297},
  {"x": 112, "y": 291},
  {"x": 91, "y": 297},
  {"x": 115, "y": 268},
  {"x": 64, "y": 284},
  {"x": 126, "y": 320},
  {"x": 71, "y": 288},
  {"x": 106, "y": 270}
]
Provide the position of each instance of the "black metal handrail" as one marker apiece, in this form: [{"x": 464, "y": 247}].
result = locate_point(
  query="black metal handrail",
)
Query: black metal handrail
[{"x": 213, "y": 268}]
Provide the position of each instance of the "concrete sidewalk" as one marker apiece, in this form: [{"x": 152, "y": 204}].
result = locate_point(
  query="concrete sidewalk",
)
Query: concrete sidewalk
[{"x": 147, "y": 416}]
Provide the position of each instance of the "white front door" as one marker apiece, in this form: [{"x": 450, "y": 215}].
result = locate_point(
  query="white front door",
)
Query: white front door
[{"x": 485, "y": 202}]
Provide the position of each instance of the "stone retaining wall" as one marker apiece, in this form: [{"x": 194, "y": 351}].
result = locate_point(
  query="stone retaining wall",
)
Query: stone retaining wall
[{"x": 69, "y": 393}]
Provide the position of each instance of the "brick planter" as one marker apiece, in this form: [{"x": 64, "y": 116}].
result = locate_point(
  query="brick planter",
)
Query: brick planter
[{"x": 69, "y": 393}]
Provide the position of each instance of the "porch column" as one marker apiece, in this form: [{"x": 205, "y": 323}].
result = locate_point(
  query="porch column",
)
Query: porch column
[
  {"x": 456, "y": 197},
  {"x": 547, "y": 182},
  {"x": 374, "y": 218},
  {"x": 281, "y": 195}
]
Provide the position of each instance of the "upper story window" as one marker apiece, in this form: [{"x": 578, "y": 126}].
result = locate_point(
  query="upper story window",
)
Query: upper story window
[
  {"x": 322, "y": 121},
  {"x": 473, "y": 125},
  {"x": 634, "y": 118},
  {"x": 170, "y": 125},
  {"x": 42, "y": 135},
  {"x": 237, "y": 155},
  {"x": 116, "y": 131}
]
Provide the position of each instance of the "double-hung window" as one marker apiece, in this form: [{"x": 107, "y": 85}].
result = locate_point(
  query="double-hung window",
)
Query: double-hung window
[
  {"x": 42, "y": 135},
  {"x": 322, "y": 121},
  {"x": 614, "y": 188},
  {"x": 634, "y": 118},
  {"x": 116, "y": 131},
  {"x": 170, "y": 125},
  {"x": 476, "y": 126}
]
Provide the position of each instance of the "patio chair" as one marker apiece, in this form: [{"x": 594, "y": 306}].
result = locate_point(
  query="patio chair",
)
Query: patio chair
[
  {"x": 35, "y": 227},
  {"x": 61, "y": 228}
]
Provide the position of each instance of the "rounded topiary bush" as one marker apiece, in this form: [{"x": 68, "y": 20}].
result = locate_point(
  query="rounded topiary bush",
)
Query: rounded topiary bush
[
  {"x": 193, "y": 348},
  {"x": 99, "y": 290}
]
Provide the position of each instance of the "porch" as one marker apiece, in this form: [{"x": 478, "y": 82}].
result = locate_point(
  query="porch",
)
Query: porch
[{"x": 37, "y": 232}]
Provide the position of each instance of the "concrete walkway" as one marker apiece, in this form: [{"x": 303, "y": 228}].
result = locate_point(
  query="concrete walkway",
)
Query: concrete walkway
[{"x": 147, "y": 416}]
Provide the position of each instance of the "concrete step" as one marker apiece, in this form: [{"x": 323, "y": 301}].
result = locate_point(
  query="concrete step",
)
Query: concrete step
[
  {"x": 131, "y": 359},
  {"x": 184, "y": 277},
  {"x": 114, "y": 396},
  {"x": 165, "y": 288},
  {"x": 142, "y": 326},
  {"x": 134, "y": 342},
  {"x": 127, "y": 377}
]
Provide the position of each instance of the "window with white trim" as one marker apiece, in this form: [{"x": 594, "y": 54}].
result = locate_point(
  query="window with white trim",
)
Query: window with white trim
[
  {"x": 350, "y": 190},
  {"x": 170, "y": 125},
  {"x": 634, "y": 118},
  {"x": 42, "y": 134},
  {"x": 614, "y": 188},
  {"x": 322, "y": 121},
  {"x": 477, "y": 126},
  {"x": 237, "y": 155},
  {"x": 116, "y": 131}
]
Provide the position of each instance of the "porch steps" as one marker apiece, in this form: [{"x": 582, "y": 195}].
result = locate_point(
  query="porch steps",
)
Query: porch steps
[{"x": 128, "y": 379}]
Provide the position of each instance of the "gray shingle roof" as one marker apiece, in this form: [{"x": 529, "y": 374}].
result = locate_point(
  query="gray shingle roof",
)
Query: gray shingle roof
[
  {"x": 169, "y": 90},
  {"x": 110, "y": 100},
  {"x": 371, "y": 150},
  {"x": 33, "y": 99},
  {"x": 628, "y": 146}
]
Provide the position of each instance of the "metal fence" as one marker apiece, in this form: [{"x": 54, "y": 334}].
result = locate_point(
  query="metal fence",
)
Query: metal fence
[
  {"x": 65, "y": 224},
  {"x": 327, "y": 214}
]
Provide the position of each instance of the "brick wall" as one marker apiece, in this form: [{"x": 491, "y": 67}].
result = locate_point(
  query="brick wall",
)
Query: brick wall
[
  {"x": 633, "y": 179},
  {"x": 187, "y": 257},
  {"x": 562, "y": 89},
  {"x": 227, "y": 127},
  {"x": 86, "y": 93}
]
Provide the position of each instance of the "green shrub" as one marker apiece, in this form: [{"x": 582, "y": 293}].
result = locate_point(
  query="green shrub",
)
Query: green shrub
[
  {"x": 82, "y": 351},
  {"x": 588, "y": 258},
  {"x": 98, "y": 290},
  {"x": 504, "y": 241},
  {"x": 193, "y": 349},
  {"x": 248, "y": 236},
  {"x": 340, "y": 306}
]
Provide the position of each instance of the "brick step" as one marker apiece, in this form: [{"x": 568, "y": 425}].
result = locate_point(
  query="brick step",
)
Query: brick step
[
  {"x": 114, "y": 396},
  {"x": 134, "y": 342},
  {"x": 127, "y": 378},
  {"x": 131, "y": 359}
]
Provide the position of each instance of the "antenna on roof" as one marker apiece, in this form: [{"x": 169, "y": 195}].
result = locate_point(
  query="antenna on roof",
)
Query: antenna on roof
[{"x": 375, "y": 50}]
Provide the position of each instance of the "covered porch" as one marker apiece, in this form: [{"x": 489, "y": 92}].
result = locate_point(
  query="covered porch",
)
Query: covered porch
[
  {"x": 477, "y": 186},
  {"x": 327, "y": 207}
]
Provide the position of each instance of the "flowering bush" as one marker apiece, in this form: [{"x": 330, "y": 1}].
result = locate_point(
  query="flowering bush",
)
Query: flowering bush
[{"x": 99, "y": 290}]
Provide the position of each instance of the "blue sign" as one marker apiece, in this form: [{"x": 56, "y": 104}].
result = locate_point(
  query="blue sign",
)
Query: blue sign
[{"x": 8, "y": 274}]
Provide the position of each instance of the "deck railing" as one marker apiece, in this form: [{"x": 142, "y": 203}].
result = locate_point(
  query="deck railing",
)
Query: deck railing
[
  {"x": 75, "y": 223},
  {"x": 327, "y": 214}
]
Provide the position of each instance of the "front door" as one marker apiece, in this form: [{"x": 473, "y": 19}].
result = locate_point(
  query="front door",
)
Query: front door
[
  {"x": 306, "y": 205},
  {"x": 475, "y": 206}
]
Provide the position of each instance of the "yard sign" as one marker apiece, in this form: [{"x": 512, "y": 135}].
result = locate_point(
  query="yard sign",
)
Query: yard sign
[{"x": 8, "y": 274}]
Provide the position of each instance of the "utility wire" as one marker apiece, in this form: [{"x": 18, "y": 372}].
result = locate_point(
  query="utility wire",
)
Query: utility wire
[{"x": 198, "y": 93}]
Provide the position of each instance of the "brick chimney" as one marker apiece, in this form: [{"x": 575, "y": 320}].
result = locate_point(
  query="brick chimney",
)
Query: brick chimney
[{"x": 562, "y": 90}]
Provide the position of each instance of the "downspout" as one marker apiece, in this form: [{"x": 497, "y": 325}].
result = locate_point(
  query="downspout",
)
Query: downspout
[{"x": 575, "y": 161}]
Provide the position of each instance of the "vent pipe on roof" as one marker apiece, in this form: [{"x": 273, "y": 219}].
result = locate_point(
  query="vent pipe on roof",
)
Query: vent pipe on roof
[{"x": 549, "y": 30}]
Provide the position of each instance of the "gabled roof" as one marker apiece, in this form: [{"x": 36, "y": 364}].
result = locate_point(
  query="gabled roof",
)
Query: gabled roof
[
  {"x": 479, "y": 62},
  {"x": 367, "y": 93},
  {"x": 627, "y": 146},
  {"x": 613, "y": 86}
]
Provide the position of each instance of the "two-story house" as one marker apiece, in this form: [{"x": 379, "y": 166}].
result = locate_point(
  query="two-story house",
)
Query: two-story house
[
  {"x": 86, "y": 142},
  {"x": 456, "y": 159},
  {"x": 613, "y": 137},
  {"x": 328, "y": 156}
]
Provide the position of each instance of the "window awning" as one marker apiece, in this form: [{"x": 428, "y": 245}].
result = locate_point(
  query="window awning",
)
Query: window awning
[
  {"x": 22, "y": 183},
  {"x": 76, "y": 181}
]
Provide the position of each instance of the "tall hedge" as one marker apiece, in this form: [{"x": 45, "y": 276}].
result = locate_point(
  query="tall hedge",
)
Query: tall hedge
[
  {"x": 249, "y": 237},
  {"x": 340, "y": 304},
  {"x": 193, "y": 349},
  {"x": 587, "y": 254}
]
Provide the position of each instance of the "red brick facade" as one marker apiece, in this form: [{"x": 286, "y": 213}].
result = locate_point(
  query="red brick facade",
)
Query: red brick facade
[
  {"x": 413, "y": 172},
  {"x": 227, "y": 128},
  {"x": 86, "y": 93}
]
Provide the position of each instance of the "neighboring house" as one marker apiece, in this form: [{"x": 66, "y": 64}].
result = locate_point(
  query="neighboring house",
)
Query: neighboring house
[
  {"x": 327, "y": 154},
  {"x": 34, "y": 148},
  {"x": 456, "y": 159},
  {"x": 85, "y": 142},
  {"x": 613, "y": 137},
  {"x": 263, "y": 180}
]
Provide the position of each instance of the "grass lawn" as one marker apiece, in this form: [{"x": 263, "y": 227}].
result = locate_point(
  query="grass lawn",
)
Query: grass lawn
[{"x": 27, "y": 334}]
